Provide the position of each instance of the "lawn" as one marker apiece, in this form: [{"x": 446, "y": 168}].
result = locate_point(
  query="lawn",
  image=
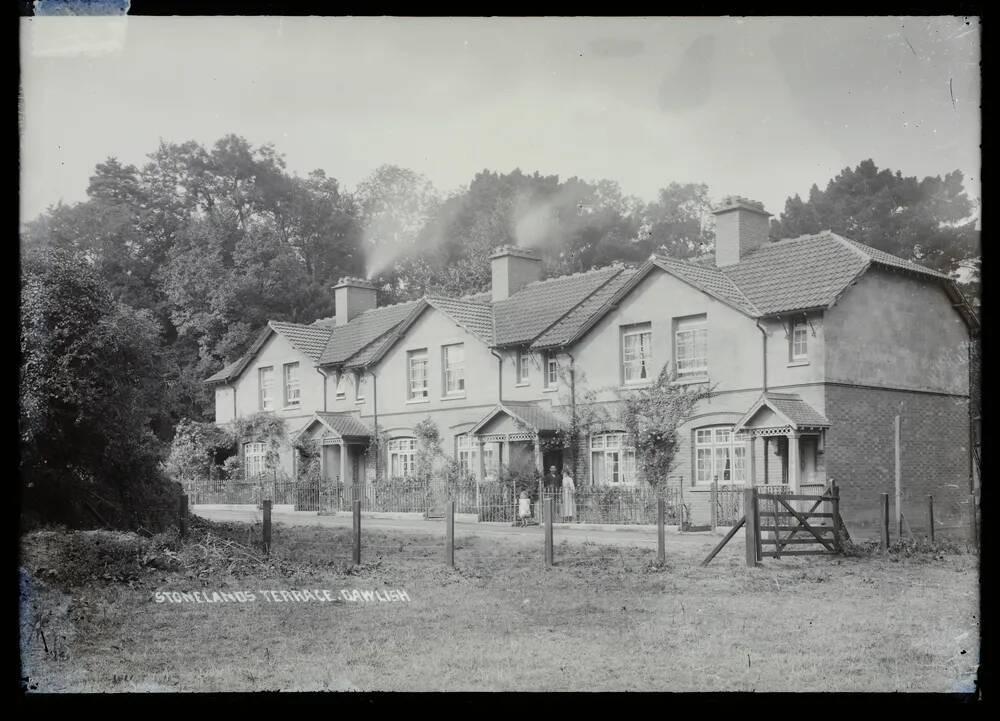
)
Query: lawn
[{"x": 602, "y": 619}]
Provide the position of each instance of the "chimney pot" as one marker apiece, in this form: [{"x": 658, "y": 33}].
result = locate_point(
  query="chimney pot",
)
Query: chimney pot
[
  {"x": 741, "y": 226},
  {"x": 353, "y": 296},
  {"x": 512, "y": 269}
]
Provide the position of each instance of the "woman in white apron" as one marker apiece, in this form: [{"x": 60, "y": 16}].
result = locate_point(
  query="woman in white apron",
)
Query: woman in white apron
[{"x": 568, "y": 497}]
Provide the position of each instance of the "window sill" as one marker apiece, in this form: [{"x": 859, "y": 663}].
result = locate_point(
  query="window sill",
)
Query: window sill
[
  {"x": 340, "y": 398},
  {"x": 418, "y": 400},
  {"x": 550, "y": 389},
  {"x": 522, "y": 385},
  {"x": 359, "y": 401},
  {"x": 292, "y": 408},
  {"x": 636, "y": 386},
  {"x": 453, "y": 397},
  {"x": 691, "y": 381},
  {"x": 796, "y": 363}
]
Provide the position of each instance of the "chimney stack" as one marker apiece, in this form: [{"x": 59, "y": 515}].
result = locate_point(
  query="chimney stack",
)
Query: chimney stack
[
  {"x": 352, "y": 297},
  {"x": 513, "y": 268},
  {"x": 741, "y": 226}
]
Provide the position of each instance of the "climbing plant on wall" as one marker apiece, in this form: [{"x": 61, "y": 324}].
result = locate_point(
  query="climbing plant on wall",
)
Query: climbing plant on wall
[{"x": 651, "y": 417}]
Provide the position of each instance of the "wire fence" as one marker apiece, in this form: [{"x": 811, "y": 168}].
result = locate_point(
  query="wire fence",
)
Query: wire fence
[{"x": 490, "y": 502}]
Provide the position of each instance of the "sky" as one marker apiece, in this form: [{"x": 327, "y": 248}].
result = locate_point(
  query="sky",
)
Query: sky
[{"x": 759, "y": 107}]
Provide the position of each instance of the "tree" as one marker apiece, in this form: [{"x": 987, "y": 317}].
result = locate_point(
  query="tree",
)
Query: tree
[
  {"x": 929, "y": 221},
  {"x": 89, "y": 387},
  {"x": 651, "y": 417}
]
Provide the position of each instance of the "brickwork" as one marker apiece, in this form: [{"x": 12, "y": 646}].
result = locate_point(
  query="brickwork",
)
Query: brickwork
[{"x": 934, "y": 455}]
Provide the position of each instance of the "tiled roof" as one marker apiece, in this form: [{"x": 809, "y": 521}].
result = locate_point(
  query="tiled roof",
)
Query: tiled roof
[
  {"x": 536, "y": 417},
  {"x": 344, "y": 423},
  {"x": 370, "y": 351},
  {"x": 882, "y": 258},
  {"x": 563, "y": 330},
  {"x": 477, "y": 318},
  {"x": 796, "y": 410},
  {"x": 708, "y": 279},
  {"x": 223, "y": 375},
  {"x": 310, "y": 340},
  {"x": 789, "y": 405},
  {"x": 346, "y": 340},
  {"x": 796, "y": 274},
  {"x": 532, "y": 416},
  {"x": 530, "y": 311}
]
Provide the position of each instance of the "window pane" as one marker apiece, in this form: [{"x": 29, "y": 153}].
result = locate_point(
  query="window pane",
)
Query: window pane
[
  {"x": 597, "y": 468},
  {"x": 704, "y": 465},
  {"x": 628, "y": 470},
  {"x": 266, "y": 384}
]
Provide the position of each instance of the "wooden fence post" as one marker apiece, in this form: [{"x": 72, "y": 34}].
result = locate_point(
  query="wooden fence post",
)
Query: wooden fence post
[
  {"x": 975, "y": 520},
  {"x": 713, "y": 500},
  {"x": 680, "y": 508},
  {"x": 356, "y": 557},
  {"x": 182, "y": 516},
  {"x": 758, "y": 544},
  {"x": 930, "y": 517},
  {"x": 751, "y": 527},
  {"x": 884, "y": 523},
  {"x": 661, "y": 539},
  {"x": 548, "y": 531},
  {"x": 449, "y": 524},
  {"x": 267, "y": 527},
  {"x": 835, "y": 514}
]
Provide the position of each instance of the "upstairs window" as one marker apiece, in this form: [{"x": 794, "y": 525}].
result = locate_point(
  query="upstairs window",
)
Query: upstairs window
[
  {"x": 720, "y": 454},
  {"x": 360, "y": 382},
  {"x": 636, "y": 353},
  {"x": 691, "y": 346},
  {"x": 265, "y": 388},
  {"x": 291, "y": 371},
  {"x": 453, "y": 357},
  {"x": 799, "y": 340},
  {"x": 611, "y": 460},
  {"x": 341, "y": 386},
  {"x": 416, "y": 364},
  {"x": 551, "y": 369},
  {"x": 402, "y": 457},
  {"x": 523, "y": 367}
]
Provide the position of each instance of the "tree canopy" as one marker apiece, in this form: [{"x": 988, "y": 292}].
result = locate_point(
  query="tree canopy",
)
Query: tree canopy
[{"x": 928, "y": 221}]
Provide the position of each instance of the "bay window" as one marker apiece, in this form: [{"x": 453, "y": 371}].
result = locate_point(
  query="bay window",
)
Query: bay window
[
  {"x": 254, "y": 460},
  {"x": 720, "y": 453},
  {"x": 611, "y": 460},
  {"x": 402, "y": 457}
]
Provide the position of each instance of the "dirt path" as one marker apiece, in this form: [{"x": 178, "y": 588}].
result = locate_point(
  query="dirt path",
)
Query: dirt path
[{"x": 530, "y": 535}]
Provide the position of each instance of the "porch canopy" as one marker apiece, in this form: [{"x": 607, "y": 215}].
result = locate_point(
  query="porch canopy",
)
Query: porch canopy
[
  {"x": 515, "y": 422},
  {"x": 334, "y": 429},
  {"x": 783, "y": 415}
]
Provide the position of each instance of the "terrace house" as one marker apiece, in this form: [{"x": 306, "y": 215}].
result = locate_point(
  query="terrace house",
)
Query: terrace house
[{"x": 811, "y": 345}]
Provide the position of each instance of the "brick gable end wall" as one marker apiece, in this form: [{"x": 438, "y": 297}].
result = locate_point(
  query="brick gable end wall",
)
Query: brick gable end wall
[{"x": 934, "y": 457}]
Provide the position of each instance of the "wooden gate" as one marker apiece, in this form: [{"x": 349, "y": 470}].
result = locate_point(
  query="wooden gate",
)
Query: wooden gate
[
  {"x": 809, "y": 532},
  {"x": 775, "y": 514}
]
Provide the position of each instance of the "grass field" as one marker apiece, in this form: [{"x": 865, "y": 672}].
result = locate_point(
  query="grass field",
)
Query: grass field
[{"x": 603, "y": 619}]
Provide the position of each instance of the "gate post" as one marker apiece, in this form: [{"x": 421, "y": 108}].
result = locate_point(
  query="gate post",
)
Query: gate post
[
  {"x": 713, "y": 500},
  {"x": 835, "y": 514},
  {"x": 884, "y": 523},
  {"x": 752, "y": 526}
]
